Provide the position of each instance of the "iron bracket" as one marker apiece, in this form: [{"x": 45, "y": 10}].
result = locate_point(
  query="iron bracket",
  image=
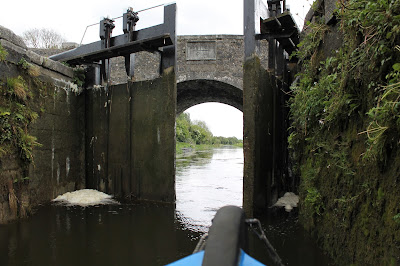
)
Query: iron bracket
[{"x": 127, "y": 44}]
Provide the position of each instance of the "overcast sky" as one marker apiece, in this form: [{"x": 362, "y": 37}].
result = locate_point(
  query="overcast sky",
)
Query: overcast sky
[{"x": 71, "y": 17}]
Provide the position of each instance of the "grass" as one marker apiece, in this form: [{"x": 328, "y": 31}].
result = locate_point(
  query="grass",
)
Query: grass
[{"x": 17, "y": 87}]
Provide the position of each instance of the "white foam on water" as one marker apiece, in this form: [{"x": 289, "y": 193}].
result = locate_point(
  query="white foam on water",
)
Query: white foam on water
[
  {"x": 289, "y": 201},
  {"x": 85, "y": 197}
]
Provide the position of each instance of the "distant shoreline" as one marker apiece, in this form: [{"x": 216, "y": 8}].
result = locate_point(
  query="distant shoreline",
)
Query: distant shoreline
[{"x": 183, "y": 147}]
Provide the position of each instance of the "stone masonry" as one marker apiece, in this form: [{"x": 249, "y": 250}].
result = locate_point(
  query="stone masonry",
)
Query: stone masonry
[
  {"x": 209, "y": 69},
  {"x": 58, "y": 162}
]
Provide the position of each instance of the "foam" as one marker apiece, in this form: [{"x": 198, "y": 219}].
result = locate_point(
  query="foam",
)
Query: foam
[
  {"x": 289, "y": 201},
  {"x": 85, "y": 197}
]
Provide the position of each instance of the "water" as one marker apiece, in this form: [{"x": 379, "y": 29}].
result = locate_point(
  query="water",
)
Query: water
[
  {"x": 148, "y": 233},
  {"x": 207, "y": 181}
]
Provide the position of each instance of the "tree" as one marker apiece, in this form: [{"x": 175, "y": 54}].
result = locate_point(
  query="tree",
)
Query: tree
[
  {"x": 205, "y": 135},
  {"x": 202, "y": 124},
  {"x": 42, "y": 38},
  {"x": 192, "y": 132},
  {"x": 182, "y": 128},
  {"x": 199, "y": 133}
]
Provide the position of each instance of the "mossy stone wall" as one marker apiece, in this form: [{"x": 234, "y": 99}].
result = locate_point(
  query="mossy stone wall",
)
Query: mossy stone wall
[
  {"x": 42, "y": 129},
  {"x": 345, "y": 138}
]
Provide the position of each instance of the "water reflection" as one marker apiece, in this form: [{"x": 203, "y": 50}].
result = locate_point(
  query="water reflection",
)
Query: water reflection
[
  {"x": 152, "y": 234},
  {"x": 205, "y": 182},
  {"x": 293, "y": 244},
  {"x": 143, "y": 234},
  {"x": 193, "y": 158},
  {"x": 211, "y": 179}
]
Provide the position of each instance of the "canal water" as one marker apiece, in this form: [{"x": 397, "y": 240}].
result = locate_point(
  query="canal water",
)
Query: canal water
[{"x": 149, "y": 233}]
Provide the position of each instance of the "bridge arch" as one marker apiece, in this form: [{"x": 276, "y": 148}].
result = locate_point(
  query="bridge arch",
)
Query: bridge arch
[{"x": 193, "y": 92}]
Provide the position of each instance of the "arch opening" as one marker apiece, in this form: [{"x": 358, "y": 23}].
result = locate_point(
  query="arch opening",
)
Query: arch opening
[{"x": 194, "y": 92}]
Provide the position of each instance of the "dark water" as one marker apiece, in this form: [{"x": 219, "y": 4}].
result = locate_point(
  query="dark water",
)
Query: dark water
[{"x": 152, "y": 234}]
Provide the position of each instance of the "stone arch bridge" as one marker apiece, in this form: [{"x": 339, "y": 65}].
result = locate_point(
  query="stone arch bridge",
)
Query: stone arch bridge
[
  {"x": 209, "y": 69},
  {"x": 130, "y": 122}
]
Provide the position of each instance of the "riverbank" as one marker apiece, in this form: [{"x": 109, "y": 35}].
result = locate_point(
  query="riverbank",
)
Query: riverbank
[{"x": 183, "y": 147}]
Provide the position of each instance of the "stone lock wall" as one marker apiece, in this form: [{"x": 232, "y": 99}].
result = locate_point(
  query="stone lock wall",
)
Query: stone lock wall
[
  {"x": 58, "y": 163},
  {"x": 348, "y": 189}
]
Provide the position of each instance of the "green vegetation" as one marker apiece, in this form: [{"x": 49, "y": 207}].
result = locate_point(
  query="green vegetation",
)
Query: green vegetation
[
  {"x": 192, "y": 132},
  {"x": 22, "y": 179},
  {"x": 31, "y": 69},
  {"x": 397, "y": 218},
  {"x": 20, "y": 99},
  {"x": 227, "y": 141},
  {"x": 3, "y": 53},
  {"x": 332, "y": 90},
  {"x": 197, "y": 135},
  {"x": 345, "y": 138},
  {"x": 313, "y": 201},
  {"x": 16, "y": 114},
  {"x": 79, "y": 76}
]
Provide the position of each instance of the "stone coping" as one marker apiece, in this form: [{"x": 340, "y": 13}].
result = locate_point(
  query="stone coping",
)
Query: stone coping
[{"x": 15, "y": 44}]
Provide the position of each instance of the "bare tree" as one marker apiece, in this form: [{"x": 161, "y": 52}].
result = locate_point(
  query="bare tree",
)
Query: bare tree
[{"x": 42, "y": 38}]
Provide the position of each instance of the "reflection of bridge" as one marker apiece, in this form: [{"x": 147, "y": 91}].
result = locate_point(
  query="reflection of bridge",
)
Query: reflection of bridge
[{"x": 209, "y": 69}]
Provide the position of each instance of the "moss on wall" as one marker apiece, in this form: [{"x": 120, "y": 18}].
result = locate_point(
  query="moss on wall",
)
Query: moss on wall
[
  {"x": 21, "y": 101},
  {"x": 3, "y": 53},
  {"x": 17, "y": 112},
  {"x": 345, "y": 113}
]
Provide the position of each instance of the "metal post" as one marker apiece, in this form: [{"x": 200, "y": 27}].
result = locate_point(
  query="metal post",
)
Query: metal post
[
  {"x": 249, "y": 28},
  {"x": 168, "y": 55},
  {"x": 106, "y": 27},
  {"x": 93, "y": 76},
  {"x": 130, "y": 18}
]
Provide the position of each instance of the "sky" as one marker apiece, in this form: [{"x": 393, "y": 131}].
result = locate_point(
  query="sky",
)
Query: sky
[{"x": 194, "y": 17}]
